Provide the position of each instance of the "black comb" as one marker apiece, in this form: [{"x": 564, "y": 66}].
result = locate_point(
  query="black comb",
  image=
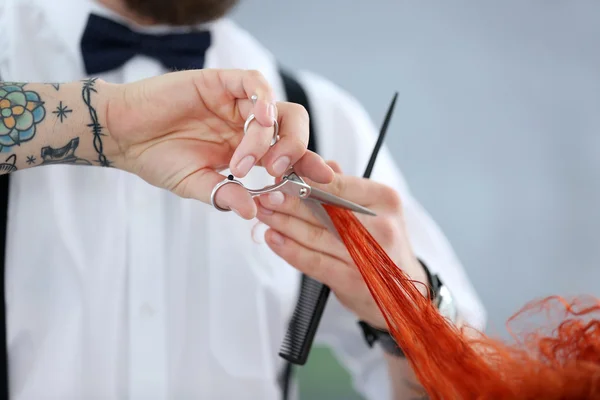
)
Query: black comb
[{"x": 313, "y": 294}]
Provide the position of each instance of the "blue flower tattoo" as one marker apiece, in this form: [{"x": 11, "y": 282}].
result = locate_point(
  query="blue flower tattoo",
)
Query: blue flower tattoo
[{"x": 20, "y": 112}]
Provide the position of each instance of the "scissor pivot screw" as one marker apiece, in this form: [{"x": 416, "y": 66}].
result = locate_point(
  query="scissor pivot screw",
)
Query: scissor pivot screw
[
  {"x": 303, "y": 192},
  {"x": 230, "y": 177}
]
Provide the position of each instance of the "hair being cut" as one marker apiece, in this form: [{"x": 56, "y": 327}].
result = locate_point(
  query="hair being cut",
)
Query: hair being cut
[{"x": 559, "y": 360}]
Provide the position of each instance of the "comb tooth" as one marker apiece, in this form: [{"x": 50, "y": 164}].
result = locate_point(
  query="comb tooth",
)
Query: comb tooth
[{"x": 304, "y": 322}]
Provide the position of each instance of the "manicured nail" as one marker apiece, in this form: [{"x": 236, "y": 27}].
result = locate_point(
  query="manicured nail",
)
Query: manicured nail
[
  {"x": 264, "y": 210},
  {"x": 281, "y": 165},
  {"x": 245, "y": 165},
  {"x": 276, "y": 198},
  {"x": 276, "y": 238}
]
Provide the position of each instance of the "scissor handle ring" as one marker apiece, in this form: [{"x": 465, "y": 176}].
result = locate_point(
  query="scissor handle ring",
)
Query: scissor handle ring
[
  {"x": 275, "y": 133},
  {"x": 218, "y": 186}
]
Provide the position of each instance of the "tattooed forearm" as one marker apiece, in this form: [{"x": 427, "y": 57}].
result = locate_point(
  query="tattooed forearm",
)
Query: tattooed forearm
[
  {"x": 74, "y": 134},
  {"x": 88, "y": 89}
]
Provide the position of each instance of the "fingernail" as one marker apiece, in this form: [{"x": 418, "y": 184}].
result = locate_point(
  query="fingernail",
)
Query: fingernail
[
  {"x": 264, "y": 210},
  {"x": 271, "y": 111},
  {"x": 276, "y": 238},
  {"x": 245, "y": 165},
  {"x": 281, "y": 165},
  {"x": 276, "y": 198}
]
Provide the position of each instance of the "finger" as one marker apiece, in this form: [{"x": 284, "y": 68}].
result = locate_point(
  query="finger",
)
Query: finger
[
  {"x": 362, "y": 191},
  {"x": 241, "y": 85},
  {"x": 317, "y": 265},
  {"x": 247, "y": 93},
  {"x": 292, "y": 145},
  {"x": 257, "y": 140},
  {"x": 314, "y": 237},
  {"x": 290, "y": 205},
  {"x": 335, "y": 166},
  {"x": 313, "y": 167},
  {"x": 293, "y": 139},
  {"x": 199, "y": 185}
]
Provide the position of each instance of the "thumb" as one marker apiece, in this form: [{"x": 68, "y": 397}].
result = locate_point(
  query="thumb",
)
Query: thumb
[{"x": 231, "y": 196}]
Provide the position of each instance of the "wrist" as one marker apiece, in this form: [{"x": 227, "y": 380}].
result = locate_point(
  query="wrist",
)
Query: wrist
[
  {"x": 437, "y": 293},
  {"x": 98, "y": 96}
]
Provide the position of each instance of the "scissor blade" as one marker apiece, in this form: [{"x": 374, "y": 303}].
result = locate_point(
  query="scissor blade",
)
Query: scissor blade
[
  {"x": 328, "y": 198},
  {"x": 320, "y": 213}
]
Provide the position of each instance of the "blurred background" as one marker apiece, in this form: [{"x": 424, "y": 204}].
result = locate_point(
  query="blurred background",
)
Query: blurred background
[{"x": 497, "y": 130}]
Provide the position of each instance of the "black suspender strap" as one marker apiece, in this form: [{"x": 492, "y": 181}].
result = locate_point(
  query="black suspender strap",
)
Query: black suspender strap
[
  {"x": 4, "y": 185},
  {"x": 295, "y": 93}
]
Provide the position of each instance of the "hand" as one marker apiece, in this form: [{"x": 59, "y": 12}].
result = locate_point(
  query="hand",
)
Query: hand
[
  {"x": 297, "y": 236},
  {"x": 178, "y": 130}
]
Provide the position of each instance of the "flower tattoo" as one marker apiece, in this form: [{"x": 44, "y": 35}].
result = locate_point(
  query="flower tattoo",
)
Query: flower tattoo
[{"x": 20, "y": 112}]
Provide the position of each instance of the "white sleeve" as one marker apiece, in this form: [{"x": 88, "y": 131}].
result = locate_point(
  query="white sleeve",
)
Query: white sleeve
[{"x": 347, "y": 135}]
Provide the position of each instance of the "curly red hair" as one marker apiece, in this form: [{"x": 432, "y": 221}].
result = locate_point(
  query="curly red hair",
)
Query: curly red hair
[{"x": 559, "y": 360}]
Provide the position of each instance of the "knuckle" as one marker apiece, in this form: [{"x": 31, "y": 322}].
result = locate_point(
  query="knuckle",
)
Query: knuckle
[
  {"x": 291, "y": 204},
  {"x": 285, "y": 221},
  {"x": 255, "y": 75},
  {"x": 314, "y": 264},
  {"x": 298, "y": 145},
  {"x": 339, "y": 185},
  {"x": 392, "y": 198},
  {"x": 317, "y": 234},
  {"x": 386, "y": 229},
  {"x": 302, "y": 112}
]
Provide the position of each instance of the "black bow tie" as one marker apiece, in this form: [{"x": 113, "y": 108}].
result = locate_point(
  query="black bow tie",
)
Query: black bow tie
[{"x": 107, "y": 45}]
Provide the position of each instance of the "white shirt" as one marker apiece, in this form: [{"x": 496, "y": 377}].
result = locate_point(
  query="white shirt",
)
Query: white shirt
[{"x": 119, "y": 290}]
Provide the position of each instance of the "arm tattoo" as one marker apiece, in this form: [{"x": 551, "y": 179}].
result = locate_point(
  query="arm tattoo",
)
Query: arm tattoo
[
  {"x": 21, "y": 111},
  {"x": 56, "y": 86},
  {"x": 88, "y": 89},
  {"x": 62, "y": 155},
  {"x": 62, "y": 112},
  {"x": 9, "y": 165}
]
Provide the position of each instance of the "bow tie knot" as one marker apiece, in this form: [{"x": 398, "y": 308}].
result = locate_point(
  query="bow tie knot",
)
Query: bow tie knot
[{"x": 107, "y": 45}]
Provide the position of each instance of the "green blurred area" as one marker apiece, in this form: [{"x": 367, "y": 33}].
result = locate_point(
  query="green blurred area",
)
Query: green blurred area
[{"x": 322, "y": 377}]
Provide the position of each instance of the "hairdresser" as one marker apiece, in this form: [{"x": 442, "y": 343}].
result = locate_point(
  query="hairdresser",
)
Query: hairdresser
[{"x": 119, "y": 289}]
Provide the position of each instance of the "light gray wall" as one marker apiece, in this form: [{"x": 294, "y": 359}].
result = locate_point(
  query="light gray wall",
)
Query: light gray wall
[{"x": 497, "y": 129}]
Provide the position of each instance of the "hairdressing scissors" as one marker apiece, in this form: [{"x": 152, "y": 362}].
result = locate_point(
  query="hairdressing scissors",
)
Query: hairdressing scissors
[{"x": 294, "y": 185}]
